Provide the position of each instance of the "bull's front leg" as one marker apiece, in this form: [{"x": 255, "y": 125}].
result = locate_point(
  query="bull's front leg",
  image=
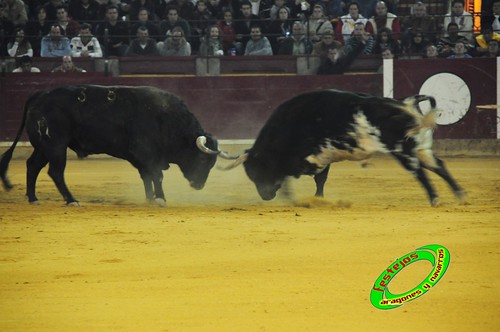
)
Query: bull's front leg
[
  {"x": 148, "y": 184},
  {"x": 320, "y": 180},
  {"x": 157, "y": 177}
]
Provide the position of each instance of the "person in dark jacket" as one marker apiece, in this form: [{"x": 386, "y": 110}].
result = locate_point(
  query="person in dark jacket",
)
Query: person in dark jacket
[
  {"x": 142, "y": 45},
  {"x": 337, "y": 62}
]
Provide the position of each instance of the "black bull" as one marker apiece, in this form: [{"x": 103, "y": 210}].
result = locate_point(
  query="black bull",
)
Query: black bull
[
  {"x": 146, "y": 126},
  {"x": 307, "y": 133}
]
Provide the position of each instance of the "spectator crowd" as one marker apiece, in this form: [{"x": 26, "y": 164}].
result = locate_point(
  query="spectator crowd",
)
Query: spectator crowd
[{"x": 335, "y": 30}]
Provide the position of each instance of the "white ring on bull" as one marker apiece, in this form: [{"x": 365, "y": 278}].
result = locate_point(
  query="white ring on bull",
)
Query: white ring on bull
[
  {"x": 200, "y": 143},
  {"x": 82, "y": 97},
  {"x": 111, "y": 95}
]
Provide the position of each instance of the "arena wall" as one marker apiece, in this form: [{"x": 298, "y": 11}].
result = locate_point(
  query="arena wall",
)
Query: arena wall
[{"x": 234, "y": 107}]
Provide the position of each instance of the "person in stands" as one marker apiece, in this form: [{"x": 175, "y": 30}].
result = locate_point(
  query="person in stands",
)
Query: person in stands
[{"x": 68, "y": 66}]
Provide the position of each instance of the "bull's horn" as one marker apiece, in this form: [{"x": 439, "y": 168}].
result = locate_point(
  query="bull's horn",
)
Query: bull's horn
[
  {"x": 240, "y": 160},
  {"x": 420, "y": 98},
  {"x": 200, "y": 143}
]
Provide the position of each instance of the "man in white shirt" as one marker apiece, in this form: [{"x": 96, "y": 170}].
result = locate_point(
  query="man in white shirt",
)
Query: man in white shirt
[
  {"x": 85, "y": 45},
  {"x": 459, "y": 16}
]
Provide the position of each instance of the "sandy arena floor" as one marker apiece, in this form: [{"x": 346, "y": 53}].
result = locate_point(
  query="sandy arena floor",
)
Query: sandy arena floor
[{"x": 221, "y": 259}]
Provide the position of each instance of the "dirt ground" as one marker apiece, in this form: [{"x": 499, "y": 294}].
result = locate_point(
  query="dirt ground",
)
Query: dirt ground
[{"x": 221, "y": 259}]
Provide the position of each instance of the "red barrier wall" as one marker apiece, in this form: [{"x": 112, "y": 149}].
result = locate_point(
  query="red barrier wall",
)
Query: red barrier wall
[
  {"x": 236, "y": 107},
  {"x": 227, "y": 107}
]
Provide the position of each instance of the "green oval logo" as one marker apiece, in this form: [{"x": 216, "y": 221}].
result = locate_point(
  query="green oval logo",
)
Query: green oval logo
[{"x": 382, "y": 298}]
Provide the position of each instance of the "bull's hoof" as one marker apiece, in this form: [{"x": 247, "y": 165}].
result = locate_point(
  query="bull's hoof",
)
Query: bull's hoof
[
  {"x": 161, "y": 202},
  {"x": 435, "y": 202},
  {"x": 37, "y": 202},
  {"x": 75, "y": 203},
  {"x": 462, "y": 198},
  {"x": 7, "y": 185}
]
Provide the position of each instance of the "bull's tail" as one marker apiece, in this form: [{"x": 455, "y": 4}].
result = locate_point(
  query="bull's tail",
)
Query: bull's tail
[
  {"x": 422, "y": 131},
  {"x": 7, "y": 155},
  {"x": 422, "y": 121}
]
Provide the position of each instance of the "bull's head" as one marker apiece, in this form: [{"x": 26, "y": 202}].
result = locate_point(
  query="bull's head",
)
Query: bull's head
[
  {"x": 267, "y": 180},
  {"x": 201, "y": 158}
]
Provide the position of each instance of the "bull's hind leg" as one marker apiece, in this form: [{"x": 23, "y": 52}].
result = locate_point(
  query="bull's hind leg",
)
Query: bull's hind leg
[
  {"x": 57, "y": 165},
  {"x": 34, "y": 165},
  {"x": 443, "y": 173},
  {"x": 413, "y": 165},
  {"x": 320, "y": 180}
]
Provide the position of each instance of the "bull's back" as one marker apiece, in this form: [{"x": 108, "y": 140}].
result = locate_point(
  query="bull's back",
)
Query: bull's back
[
  {"x": 97, "y": 119},
  {"x": 328, "y": 113}
]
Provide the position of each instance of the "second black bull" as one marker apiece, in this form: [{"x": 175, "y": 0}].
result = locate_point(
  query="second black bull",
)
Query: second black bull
[{"x": 307, "y": 133}]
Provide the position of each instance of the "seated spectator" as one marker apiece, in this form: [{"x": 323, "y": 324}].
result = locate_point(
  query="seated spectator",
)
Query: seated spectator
[
  {"x": 317, "y": 23},
  {"x": 85, "y": 11},
  {"x": 459, "y": 52},
  {"x": 202, "y": 20},
  {"x": 86, "y": 45},
  {"x": 55, "y": 45},
  {"x": 14, "y": 11},
  {"x": 385, "y": 40},
  {"x": 142, "y": 45},
  {"x": 345, "y": 26},
  {"x": 112, "y": 33},
  {"x": 69, "y": 28},
  {"x": 185, "y": 9},
  {"x": 26, "y": 66},
  {"x": 20, "y": 46},
  {"x": 337, "y": 61},
  {"x": 360, "y": 39},
  {"x": 431, "y": 52},
  {"x": 144, "y": 21},
  {"x": 228, "y": 33},
  {"x": 68, "y": 66},
  {"x": 258, "y": 44},
  {"x": 333, "y": 8},
  {"x": 174, "y": 20},
  {"x": 280, "y": 28},
  {"x": 37, "y": 28},
  {"x": 383, "y": 18},
  {"x": 297, "y": 43},
  {"x": 51, "y": 9},
  {"x": 483, "y": 39},
  {"x": 137, "y": 5},
  {"x": 446, "y": 44},
  {"x": 211, "y": 44},
  {"x": 386, "y": 54},
  {"x": 175, "y": 45},
  {"x": 416, "y": 45},
  {"x": 327, "y": 42},
  {"x": 462, "y": 18},
  {"x": 493, "y": 50},
  {"x": 418, "y": 20},
  {"x": 275, "y": 8},
  {"x": 491, "y": 20},
  {"x": 245, "y": 22}
]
